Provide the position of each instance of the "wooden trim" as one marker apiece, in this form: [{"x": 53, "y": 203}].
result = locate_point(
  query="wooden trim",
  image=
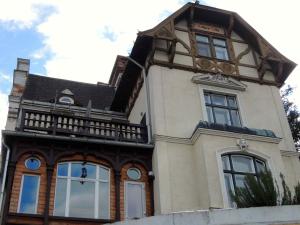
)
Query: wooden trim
[
  {"x": 50, "y": 170},
  {"x": 246, "y": 65},
  {"x": 198, "y": 70},
  {"x": 181, "y": 29},
  {"x": 239, "y": 41}
]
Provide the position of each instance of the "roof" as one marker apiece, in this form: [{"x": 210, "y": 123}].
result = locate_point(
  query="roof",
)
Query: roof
[
  {"x": 45, "y": 89},
  {"x": 280, "y": 64}
]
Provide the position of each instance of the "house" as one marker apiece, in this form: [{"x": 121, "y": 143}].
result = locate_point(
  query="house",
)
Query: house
[{"x": 183, "y": 119}]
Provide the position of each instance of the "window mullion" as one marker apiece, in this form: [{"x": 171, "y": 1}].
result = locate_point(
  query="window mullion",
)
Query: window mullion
[
  {"x": 97, "y": 193},
  {"x": 211, "y": 45},
  {"x": 68, "y": 190}
]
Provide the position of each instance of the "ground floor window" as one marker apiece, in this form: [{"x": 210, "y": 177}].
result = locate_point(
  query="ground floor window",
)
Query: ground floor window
[
  {"x": 28, "y": 199},
  {"x": 135, "y": 205},
  {"x": 236, "y": 167},
  {"x": 82, "y": 190}
]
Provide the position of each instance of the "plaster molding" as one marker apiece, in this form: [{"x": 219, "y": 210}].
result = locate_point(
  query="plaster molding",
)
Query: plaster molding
[
  {"x": 219, "y": 80},
  {"x": 289, "y": 153},
  {"x": 201, "y": 131}
]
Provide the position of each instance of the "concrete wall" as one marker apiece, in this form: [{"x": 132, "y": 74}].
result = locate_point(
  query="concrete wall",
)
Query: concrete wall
[{"x": 254, "y": 216}]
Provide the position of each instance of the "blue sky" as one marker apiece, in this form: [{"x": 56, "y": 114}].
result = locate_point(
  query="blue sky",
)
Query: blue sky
[{"x": 79, "y": 40}]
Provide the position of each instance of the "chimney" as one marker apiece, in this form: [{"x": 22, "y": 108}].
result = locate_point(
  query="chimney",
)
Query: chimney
[{"x": 20, "y": 76}]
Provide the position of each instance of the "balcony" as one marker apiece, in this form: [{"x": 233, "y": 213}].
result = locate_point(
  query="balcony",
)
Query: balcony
[{"x": 67, "y": 124}]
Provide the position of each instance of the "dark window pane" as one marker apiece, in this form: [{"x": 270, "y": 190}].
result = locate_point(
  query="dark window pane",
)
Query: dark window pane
[
  {"x": 29, "y": 194},
  {"x": 231, "y": 101},
  {"x": 207, "y": 99},
  {"x": 235, "y": 118},
  {"x": 219, "y": 42},
  {"x": 229, "y": 187},
  {"x": 221, "y": 53},
  {"x": 209, "y": 114},
  {"x": 222, "y": 116},
  {"x": 62, "y": 169},
  {"x": 240, "y": 181},
  {"x": 219, "y": 99},
  {"x": 260, "y": 165},
  {"x": 201, "y": 38},
  {"x": 225, "y": 162},
  {"x": 204, "y": 50},
  {"x": 242, "y": 163},
  {"x": 103, "y": 200},
  {"x": 82, "y": 199},
  {"x": 60, "y": 197}
]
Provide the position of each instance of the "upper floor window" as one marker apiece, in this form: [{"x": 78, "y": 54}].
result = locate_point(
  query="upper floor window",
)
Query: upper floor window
[
  {"x": 222, "y": 109},
  {"x": 236, "y": 167},
  {"x": 82, "y": 190},
  {"x": 28, "y": 199},
  {"x": 212, "y": 47}
]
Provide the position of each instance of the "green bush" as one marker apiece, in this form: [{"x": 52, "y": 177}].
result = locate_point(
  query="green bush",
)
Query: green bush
[{"x": 259, "y": 191}]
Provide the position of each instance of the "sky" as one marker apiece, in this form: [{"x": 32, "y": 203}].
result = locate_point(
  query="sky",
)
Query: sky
[{"x": 80, "y": 39}]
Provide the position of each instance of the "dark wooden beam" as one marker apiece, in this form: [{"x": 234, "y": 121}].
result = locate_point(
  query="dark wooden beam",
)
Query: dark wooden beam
[
  {"x": 230, "y": 27},
  {"x": 50, "y": 169}
]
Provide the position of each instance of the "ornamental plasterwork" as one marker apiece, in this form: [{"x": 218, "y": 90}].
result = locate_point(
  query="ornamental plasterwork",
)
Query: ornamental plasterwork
[{"x": 219, "y": 80}]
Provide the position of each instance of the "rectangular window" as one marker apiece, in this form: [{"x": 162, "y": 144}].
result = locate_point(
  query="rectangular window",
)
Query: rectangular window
[
  {"x": 135, "y": 200},
  {"x": 29, "y": 194},
  {"x": 212, "y": 47},
  {"x": 222, "y": 109}
]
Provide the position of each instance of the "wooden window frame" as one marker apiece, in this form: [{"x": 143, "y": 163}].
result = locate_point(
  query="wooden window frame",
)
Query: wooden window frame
[{"x": 212, "y": 45}]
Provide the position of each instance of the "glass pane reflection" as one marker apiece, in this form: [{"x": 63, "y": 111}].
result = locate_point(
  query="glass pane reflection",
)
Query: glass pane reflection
[
  {"x": 134, "y": 200},
  {"x": 29, "y": 194},
  {"x": 82, "y": 199},
  {"x": 103, "y": 200},
  {"x": 60, "y": 197}
]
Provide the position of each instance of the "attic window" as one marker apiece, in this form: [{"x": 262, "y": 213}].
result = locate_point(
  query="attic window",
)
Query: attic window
[
  {"x": 66, "y": 100},
  {"x": 209, "y": 46}
]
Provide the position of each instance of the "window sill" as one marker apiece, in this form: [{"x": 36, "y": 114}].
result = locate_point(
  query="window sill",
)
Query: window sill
[{"x": 241, "y": 130}]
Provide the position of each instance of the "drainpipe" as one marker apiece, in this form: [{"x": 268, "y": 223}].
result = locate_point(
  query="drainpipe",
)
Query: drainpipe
[
  {"x": 148, "y": 109},
  {"x": 4, "y": 171}
]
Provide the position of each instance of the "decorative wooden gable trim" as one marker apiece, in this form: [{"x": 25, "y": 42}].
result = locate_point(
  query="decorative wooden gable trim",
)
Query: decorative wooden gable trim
[{"x": 219, "y": 80}]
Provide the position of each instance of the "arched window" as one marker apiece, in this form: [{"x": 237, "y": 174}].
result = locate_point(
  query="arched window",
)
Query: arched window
[
  {"x": 236, "y": 167},
  {"x": 82, "y": 190}
]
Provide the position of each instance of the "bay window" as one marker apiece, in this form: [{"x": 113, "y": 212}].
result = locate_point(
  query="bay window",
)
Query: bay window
[{"x": 82, "y": 190}]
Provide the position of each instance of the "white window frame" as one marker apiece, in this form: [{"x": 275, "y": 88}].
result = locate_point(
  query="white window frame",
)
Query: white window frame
[
  {"x": 143, "y": 197},
  {"x": 37, "y": 193},
  {"x": 97, "y": 180}
]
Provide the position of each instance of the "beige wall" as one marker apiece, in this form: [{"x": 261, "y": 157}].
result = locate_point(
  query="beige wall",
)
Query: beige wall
[{"x": 187, "y": 170}]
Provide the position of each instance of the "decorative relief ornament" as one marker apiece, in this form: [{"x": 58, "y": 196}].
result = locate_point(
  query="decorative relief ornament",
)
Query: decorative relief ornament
[
  {"x": 219, "y": 80},
  {"x": 243, "y": 145}
]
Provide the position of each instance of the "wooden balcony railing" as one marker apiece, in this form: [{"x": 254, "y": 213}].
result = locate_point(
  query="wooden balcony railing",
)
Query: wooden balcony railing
[{"x": 56, "y": 123}]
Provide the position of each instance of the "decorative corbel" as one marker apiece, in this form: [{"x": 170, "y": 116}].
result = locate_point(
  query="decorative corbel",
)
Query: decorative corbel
[{"x": 262, "y": 68}]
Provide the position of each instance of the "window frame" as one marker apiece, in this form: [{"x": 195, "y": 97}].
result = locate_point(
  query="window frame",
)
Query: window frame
[
  {"x": 60, "y": 100},
  {"x": 126, "y": 182},
  {"x": 37, "y": 193},
  {"x": 228, "y": 107},
  {"x": 97, "y": 180},
  {"x": 212, "y": 45},
  {"x": 231, "y": 172}
]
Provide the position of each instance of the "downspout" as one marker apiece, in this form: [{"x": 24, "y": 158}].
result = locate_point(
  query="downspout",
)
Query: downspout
[
  {"x": 147, "y": 95},
  {"x": 4, "y": 171}
]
